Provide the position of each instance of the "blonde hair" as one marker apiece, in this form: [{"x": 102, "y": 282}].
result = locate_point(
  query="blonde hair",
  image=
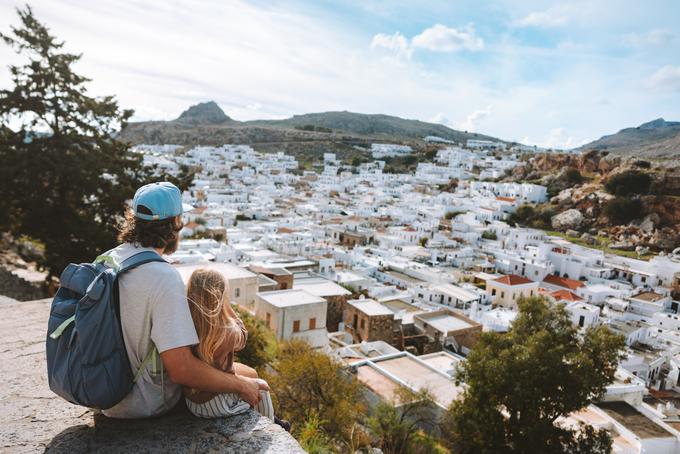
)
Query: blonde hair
[{"x": 207, "y": 295}]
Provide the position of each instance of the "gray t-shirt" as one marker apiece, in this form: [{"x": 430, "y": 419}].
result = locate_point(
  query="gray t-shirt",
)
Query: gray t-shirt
[{"x": 153, "y": 311}]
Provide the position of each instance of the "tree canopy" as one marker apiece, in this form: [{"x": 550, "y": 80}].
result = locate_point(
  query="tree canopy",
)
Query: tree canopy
[
  {"x": 519, "y": 383},
  {"x": 310, "y": 386},
  {"x": 64, "y": 177}
]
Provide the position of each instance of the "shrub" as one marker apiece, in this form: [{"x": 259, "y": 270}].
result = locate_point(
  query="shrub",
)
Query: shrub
[
  {"x": 451, "y": 214},
  {"x": 642, "y": 164},
  {"x": 629, "y": 182},
  {"x": 622, "y": 210},
  {"x": 489, "y": 235}
]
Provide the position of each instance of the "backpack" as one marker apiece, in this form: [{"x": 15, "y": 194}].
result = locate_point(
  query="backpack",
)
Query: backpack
[{"x": 87, "y": 363}]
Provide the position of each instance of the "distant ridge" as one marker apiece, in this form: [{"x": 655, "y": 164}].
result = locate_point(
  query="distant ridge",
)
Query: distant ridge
[
  {"x": 206, "y": 123},
  {"x": 374, "y": 124},
  {"x": 654, "y": 139}
]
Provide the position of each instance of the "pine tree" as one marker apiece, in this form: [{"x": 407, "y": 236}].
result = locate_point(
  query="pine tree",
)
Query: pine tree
[{"x": 64, "y": 178}]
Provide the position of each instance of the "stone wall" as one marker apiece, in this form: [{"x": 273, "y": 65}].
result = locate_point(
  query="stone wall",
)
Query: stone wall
[
  {"x": 33, "y": 419},
  {"x": 14, "y": 286}
]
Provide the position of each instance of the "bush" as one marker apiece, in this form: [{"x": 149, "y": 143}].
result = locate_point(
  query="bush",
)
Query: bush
[
  {"x": 629, "y": 182},
  {"x": 569, "y": 178},
  {"x": 622, "y": 210},
  {"x": 451, "y": 214},
  {"x": 642, "y": 164},
  {"x": 489, "y": 235}
]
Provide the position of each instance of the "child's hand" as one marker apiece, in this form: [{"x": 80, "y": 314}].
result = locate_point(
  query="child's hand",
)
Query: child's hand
[{"x": 264, "y": 386}]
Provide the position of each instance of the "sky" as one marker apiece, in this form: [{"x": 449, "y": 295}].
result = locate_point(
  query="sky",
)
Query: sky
[{"x": 550, "y": 73}]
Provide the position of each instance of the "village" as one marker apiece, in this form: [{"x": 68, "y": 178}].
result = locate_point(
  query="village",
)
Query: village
[{"x": 396, "y": 275}]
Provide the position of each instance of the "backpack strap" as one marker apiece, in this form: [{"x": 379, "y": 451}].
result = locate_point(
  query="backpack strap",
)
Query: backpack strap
[{"x": 139, "y": 259}]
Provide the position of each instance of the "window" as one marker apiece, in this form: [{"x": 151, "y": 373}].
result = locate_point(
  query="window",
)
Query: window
[
  {"x": 493, "y": 292},
  {"x": 268, "y": 320},
  {"x": 312, "y": 323},
  {"x": 363, "y": 323},
  {"x": 531, "y": 293},
  {"x": 296, "y": 326},
  {"x": 581, "y": 321},
  {"x": 356, "y": 321},
  {"x": 502, "y": 294},
  {"x": 237, "y": 292}
]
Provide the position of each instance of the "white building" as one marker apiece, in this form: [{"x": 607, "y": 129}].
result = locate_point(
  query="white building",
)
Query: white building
[{"x": 294, "y": 314}]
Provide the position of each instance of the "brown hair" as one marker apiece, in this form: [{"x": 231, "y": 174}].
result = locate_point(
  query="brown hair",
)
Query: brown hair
[
  {"x": 207, "y": 295},
  {"x": 156, "y": 234}
]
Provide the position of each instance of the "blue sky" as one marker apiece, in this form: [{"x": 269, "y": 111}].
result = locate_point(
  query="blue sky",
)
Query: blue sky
[{"x": 549, "y": 73}]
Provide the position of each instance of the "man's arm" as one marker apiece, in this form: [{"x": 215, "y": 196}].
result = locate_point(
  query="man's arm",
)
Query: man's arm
[{"x": 187, "y": 370}]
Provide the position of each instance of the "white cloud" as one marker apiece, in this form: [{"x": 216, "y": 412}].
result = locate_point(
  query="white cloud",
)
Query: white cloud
[
  {"x": 396, "y": 43},
  {"x": 667, "y": 77},
  {"x": 440, "y": 38},
  {"x": 556, "y": 139},
  {"x": 441, "y": 119},
  {"x": 651, "y": 38},
  {"x": 545, "y": 19},
  {"x": 437, "y": 38},
  {"x": 472, "y": 121}
]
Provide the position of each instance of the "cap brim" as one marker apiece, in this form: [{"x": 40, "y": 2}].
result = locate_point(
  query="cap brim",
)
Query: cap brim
[{"x": 186, "y": 208}]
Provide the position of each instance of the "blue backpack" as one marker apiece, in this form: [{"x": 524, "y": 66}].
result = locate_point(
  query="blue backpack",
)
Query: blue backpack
[{"x": 87, "y": 363}]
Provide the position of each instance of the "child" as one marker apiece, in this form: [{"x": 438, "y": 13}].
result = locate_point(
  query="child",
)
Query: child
[{"x": 220, "y": 333}]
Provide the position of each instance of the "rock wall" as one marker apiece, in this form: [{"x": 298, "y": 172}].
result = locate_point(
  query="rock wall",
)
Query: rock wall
[
  {"x": 33, "y": 419},
  {"x": 15, "y": 286}
]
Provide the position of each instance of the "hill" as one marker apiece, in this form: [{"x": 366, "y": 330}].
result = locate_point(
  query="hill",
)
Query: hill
[
  {"x": 373, "y": 125},
  {"x": 207, "y": 124},
  {"x": 655, "y": 139}
]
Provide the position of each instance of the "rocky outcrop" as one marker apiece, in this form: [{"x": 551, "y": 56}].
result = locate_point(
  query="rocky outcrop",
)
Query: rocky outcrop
[
  {"x": 569, "y": 219},
  {"x": 34, "y": 419}
]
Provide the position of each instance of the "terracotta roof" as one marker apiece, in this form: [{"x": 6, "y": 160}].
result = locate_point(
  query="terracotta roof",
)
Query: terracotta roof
[
  {"x": 506, "y": 199},
  {"x": 565, "y": 295},
  {"x": 565, "y": 282},
  {"x": 513, "y": 279},
  {"x": 284, "y": 230}
]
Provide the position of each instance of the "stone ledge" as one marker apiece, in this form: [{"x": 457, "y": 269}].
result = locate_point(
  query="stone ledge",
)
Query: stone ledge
[{"x": 34, "y": 419}]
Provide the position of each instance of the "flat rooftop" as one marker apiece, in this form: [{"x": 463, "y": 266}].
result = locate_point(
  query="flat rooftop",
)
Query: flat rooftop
[
  {"x": 320, "y": 287},
  {"x": 289, "y": 298},
  {"x": 401, "y": 276},
  {"x": 648, "y": 296},
  {"x": 227, "y": 270},
  {"x": 442, "y": 361},
  {"x": 633, "y": 420},
  {"x": 446, "y": 322},
  {"x": 370, "y": 307},
  {"x": 410, "y": 371}
]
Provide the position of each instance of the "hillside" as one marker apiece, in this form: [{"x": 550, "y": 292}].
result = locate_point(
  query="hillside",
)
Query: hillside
[
  {"x": 655, "y": 139},
  {"x": 374, "y": 125},
  {"x": 207, "y": 124}
]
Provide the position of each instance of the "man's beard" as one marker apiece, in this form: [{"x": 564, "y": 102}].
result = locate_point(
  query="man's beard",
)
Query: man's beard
[{"x": 172, "y": 245}]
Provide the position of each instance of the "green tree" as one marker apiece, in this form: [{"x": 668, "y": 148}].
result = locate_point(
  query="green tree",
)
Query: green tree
[
  {"x": 64, "y": 178},
  {"x": 423, "y": 241},
  {"x": 309, "y": 384},
  {"x": 261, "y": 345},
  {"x": 520, "y": 382},
  {"x": 398, "y": 430}
]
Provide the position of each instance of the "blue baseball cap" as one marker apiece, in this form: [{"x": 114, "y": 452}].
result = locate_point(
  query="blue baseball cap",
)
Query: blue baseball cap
[{"x": 159, "y": 201}]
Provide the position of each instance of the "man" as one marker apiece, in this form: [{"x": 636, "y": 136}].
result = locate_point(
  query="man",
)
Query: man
[{"x": 154, "y": 313}]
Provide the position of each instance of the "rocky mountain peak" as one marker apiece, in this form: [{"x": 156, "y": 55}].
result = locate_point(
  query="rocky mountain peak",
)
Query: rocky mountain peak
[{"x": 204, "y": 113}]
